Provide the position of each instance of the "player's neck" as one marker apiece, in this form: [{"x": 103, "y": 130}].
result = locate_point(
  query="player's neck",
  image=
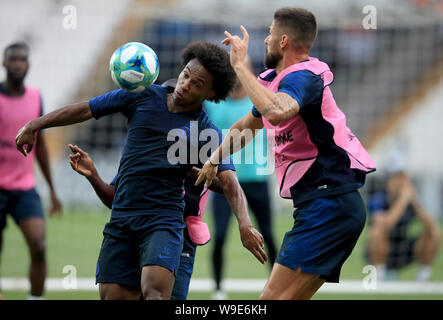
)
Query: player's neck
[
  {"x": 174, "y": 107},
  {"x": 14, "y": 88},
  {"x": 291, "y": 58}
]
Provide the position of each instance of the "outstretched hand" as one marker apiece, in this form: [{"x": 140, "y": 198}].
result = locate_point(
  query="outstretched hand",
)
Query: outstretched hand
[
  {"x": 25, "y": 137},
  {"x": 207, "y": 173},
  {"x": 56, "y": 206},
  {"x": 239, "y": 47},
  {"x": 81, "y": 162},
  {"x": 253, "y": 241}
]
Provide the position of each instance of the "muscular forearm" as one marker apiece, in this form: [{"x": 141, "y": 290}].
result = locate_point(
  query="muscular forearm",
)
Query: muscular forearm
[
  {"x": 260, "y": 96},
  {"x": 273, "y": 106},
  {"x": 43, "y": 161},
  {"x": 70, "y": 114},
  {"x": 235, "y": 197},
  {"x": 103, "y": 190}
]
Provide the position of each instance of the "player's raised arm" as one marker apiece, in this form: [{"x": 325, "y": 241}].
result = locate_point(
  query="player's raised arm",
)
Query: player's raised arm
[
  {"x": 67, "y": 115},
  {"x": 275, "y": 107},
  {"x": 43, "y": 161},
  {"x": 82, "y": 163}
]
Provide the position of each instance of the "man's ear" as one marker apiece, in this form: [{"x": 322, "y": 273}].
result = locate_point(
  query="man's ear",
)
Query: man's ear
[{"x": 284, "y": 41}]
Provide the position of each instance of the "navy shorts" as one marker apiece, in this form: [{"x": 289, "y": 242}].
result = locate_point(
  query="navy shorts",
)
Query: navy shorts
[
  {"x": 133, "y": 242},
  {"x": 324, "y": 234},
  {"x": 20, "y": 205},
  {"x": 184, "y": 272}
]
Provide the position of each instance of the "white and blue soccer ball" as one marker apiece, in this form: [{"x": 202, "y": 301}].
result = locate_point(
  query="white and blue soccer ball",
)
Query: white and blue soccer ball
[{"x": 134, "y": 66}]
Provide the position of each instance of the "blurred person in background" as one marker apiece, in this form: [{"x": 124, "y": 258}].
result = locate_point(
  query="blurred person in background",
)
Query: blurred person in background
[
  {"x": 392, "y": 211},
  {"x": 224, "y": 114},
  {"x": 18, "y": 196}
]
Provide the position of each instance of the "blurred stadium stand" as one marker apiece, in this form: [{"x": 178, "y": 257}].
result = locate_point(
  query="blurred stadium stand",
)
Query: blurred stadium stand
[{"x": 388, "y": 81}]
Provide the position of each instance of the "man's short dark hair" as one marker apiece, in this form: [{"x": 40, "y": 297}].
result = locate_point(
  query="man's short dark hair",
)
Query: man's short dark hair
[
  {"x": 216, "y": 61},
  {"x": 300, "y": 23},
  {"x": 16, "y": 45}
]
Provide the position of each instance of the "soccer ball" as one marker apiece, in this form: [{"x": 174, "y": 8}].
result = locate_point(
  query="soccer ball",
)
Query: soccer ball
[{"x": 134, "y": 66}]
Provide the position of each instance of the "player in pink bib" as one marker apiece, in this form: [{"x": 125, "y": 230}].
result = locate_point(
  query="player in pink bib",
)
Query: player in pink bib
[
  {"x": 319, "y": 162},
  {"x": 18, "y": 197}
]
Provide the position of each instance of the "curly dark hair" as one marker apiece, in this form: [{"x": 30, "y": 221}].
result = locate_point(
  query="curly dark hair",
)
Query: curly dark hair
[{"x": 216, "y": 60}]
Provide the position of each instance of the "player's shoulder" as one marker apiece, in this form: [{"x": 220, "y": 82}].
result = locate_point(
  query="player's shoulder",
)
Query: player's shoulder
[
  {"x": 28, "y": 89},
  {"x": 302, "y": 80},
  {"x": 267, "y": 75},
  {"x": 301, "y": 75},
  {"x": 205, "y": 121},
  {"x": 156, "y": 88},
  {"x": 153, "y": 90},
  {"x": 33, "y": 90},
  {"x": 3, "y": 89}
]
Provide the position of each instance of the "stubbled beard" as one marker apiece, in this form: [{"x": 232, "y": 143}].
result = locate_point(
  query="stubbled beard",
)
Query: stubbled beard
[{"x": 271, "y": 61}]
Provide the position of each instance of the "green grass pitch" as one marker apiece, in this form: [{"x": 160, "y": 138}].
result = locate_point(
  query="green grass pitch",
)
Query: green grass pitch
[{"x": 75, "y": 239}]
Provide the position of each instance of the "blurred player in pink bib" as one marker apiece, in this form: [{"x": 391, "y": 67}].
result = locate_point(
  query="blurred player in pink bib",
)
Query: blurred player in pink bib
[{"x": 18, "y": 197}]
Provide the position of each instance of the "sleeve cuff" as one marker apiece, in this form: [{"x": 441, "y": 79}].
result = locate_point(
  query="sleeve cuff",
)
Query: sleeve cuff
[
  {"x": 255, "y": 112},
  {"x": 92, "y": 106}
]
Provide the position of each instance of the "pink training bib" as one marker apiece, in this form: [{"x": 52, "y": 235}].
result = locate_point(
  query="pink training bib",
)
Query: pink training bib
[
  {"x": 17, "y": 171},
  {"x": 293, "y": 159}
]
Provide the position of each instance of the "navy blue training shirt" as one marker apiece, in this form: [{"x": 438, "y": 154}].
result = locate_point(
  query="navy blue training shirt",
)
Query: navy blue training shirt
[{"x": 147, "y": 182}]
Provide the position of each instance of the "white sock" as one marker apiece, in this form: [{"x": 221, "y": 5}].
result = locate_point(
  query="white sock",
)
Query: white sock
[
  {"x": 31, "y": 297},
  {"x": 424, "y": 273},
  {"x": 381, "y": 271}
]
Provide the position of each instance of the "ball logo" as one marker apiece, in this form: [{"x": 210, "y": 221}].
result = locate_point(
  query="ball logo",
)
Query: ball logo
[{"x": 132, "y": 76}]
